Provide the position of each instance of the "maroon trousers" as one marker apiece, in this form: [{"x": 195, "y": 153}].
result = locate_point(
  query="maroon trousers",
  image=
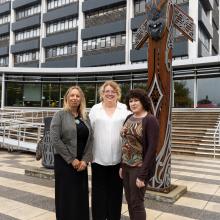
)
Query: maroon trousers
[{"x": 133, "y": 194}]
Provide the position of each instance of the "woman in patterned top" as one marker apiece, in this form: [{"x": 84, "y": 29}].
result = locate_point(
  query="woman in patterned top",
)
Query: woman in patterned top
[{"x": 140, "y": 135}]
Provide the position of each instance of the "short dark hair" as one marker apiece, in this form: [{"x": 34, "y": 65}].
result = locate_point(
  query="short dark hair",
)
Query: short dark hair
[{"x": 141, "y": 95}]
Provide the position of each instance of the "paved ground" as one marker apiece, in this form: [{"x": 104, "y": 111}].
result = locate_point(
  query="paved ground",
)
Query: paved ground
[{"x": 31, "y": 198}]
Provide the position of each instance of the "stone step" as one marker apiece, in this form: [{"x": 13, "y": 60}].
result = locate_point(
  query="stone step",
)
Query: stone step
[
  {"x": 193, "y": 153},
  {"x": 196, "y": 147},
  {"x": 195, "y": 139},
  {"x": 193, "y": 132},
  {"x": 191, "y": 135},
  {"x": 189, "y": 124},
  {"x": 196, "y": 113},
  {"x": 193, "y": 128},
  {"x": 199, "y": 119},
  {"x": 190, "y": 143}
]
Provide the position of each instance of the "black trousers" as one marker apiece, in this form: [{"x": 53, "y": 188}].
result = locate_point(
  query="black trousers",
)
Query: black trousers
[
  {"x": 71, "y": 191},
  {"x": 107, "y": 191}
]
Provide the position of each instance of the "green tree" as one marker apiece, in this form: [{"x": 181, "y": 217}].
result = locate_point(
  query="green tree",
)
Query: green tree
[{"x": 182, "y": 95}]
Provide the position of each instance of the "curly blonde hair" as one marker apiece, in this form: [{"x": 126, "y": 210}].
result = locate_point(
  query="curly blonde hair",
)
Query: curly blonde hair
[
  {"x": 82, "y": 107},
  {"x": 114, "y": 85}
]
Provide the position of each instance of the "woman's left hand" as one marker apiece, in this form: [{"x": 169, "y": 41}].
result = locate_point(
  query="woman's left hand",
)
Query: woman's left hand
[
  {"x": 140, "y": 183},
  {"x": 82, "y": 165}
]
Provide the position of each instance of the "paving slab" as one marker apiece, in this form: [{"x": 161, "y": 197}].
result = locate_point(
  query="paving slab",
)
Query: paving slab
[{"x": 25, "y": 197}]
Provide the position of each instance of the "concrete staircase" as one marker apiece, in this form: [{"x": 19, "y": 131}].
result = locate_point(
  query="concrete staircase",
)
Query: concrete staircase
[{"x": 193, "y": 131}]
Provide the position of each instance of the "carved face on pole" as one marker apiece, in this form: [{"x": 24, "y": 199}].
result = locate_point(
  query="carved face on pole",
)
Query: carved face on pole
[{"x": 156, "y": 16}]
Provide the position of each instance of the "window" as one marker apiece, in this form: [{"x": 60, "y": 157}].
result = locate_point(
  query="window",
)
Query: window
[
  {"x": 58, "y": 3},
  {"x": 35, "y": 9},
  {"x": 27, "y": 57},
  {"x": 4, "y": 37},
  {"x": 113, "y": 41},
  {"x": 104, "y": 42},
  {"x": 4, "y": 61},
  {"x": 89, "y": 45},
  {"x": 105, "y": 11},
  {"x": 98, "y": 43},
  {"x": 93, "y": 44},
  {"x": 183, "y": 93},
  {"x": 139, "y": 7},
  {"x": 108, "y": 41},
  {"x": 118, "y": 39},
  {"x": 207, "y": 95},
  {"x": 85, "y": 43},
  {"x": 4, "y": 1},
  {"x": 61, "y": 50},
  {"x": 62, "y": 25},
  {"x": 4, "y": 19},
  {"x": 27, "y": 34}
]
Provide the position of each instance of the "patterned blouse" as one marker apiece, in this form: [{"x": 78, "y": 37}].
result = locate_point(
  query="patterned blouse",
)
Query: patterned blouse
[{"x": 132, "y": 147}]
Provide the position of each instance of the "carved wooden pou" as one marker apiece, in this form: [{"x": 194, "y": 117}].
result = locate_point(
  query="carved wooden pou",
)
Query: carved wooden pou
[{"x": 162, "y": 15}]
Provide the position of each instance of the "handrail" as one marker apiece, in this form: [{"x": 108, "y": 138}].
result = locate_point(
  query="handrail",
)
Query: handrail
[
  {"x": 19, "y": 128},
  {"x": 216, "y": 137}
]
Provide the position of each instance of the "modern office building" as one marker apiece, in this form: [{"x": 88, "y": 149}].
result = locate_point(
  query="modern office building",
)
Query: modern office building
[{"x": 48, "y": 45}]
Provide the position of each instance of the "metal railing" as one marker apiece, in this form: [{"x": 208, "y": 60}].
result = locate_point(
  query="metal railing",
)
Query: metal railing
[
  {"x": 216, "y": 137},
  {"x": 22, "y": 129}
]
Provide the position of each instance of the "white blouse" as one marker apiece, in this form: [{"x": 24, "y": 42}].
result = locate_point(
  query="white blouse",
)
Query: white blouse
[{"x": 107, "y": 140}]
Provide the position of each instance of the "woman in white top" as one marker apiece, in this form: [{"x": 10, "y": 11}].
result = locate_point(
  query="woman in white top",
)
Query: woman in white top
[{"x": 107, "y": 119}]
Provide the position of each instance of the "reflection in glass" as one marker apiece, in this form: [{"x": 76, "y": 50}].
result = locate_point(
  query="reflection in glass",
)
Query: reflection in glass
[
  {"x": 140, "y": 85},
  {"x": 125, "y": 87},
  {"x": 89, "y": 91},
  {"x": 64, "y": 88},
  {"x": 183, "y": 93},
  {"x": 14, "y": 94},
  {"x": 208, "y": 93},
  {"x": 51, "y": 95},
  {"x": 32, "y": 95}
]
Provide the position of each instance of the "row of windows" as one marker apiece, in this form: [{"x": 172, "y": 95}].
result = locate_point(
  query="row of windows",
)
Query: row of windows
[
  {"x": 3, "y": 1},
  {"x": 67, "y": 24},
  {"x": 103, "y": 42},
  {"x": 4, "y": 37},
  {"x": 58, "y": 3},
  {"x": 139, "y": 7},
  {"x": 3, "y": 61},
  {"x": 4, "y": 19},
  {"x": 61, "y": 50},
  {"x": 27, "y": 57},
  {"x": 30, "y": 33},
  {"x": 105, "y": 11},
  {"x": 32, "y": 10}
]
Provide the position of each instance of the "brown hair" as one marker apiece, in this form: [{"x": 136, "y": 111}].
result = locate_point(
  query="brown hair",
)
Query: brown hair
[
  {"x": 142, "y": 96},
  {"x": 82, "y": 106}
]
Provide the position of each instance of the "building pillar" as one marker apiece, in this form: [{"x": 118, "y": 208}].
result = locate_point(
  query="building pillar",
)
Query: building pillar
[
  {"x": 129, "y": 15},
  {"x": 42, "y": 33},
  {"x": 3, "y": 92},
  {"x": 11, "y": 37},
  {"x": 193, "y": 13},
  {"x": 81, "y": 25},
  {"x": 195, "y": 92}
]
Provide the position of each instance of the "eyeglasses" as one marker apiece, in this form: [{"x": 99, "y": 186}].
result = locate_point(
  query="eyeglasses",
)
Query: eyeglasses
[{"x": 109, "y": 92}]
